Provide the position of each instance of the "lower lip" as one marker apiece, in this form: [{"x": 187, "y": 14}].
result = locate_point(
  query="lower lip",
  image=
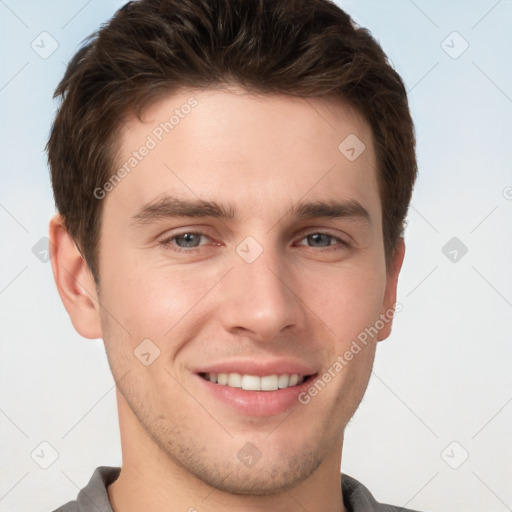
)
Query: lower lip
[{"x": 257, "y": 403}]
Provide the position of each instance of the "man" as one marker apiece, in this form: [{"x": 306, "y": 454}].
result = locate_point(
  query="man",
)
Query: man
[{"x": 232, "y": 179}]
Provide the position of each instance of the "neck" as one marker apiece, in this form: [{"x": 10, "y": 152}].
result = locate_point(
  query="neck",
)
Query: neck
[{"x": 151, "y": 480}]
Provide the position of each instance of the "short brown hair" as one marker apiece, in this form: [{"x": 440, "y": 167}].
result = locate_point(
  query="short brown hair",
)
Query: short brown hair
[{"x": 306, "y": 48}]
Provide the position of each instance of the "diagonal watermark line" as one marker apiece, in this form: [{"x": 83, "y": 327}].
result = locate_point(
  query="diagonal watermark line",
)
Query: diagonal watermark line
[
  {"x": 425, "y": 219},
  {"x": 13, "y": 217},
  {"x": 199, "y": 197},
  {"x": 165, "y": 165},
  {"x": 492, "y": 81},
  {"x": 405, "y": 405},
  {"x": 497, "y": 497},
  {"x": 213, "y": 488},
  {"x": 14, "y": 486},
  {"x": 422, "y": 78},
  {"x": 407, "y": 502},
  {"x": 96, "y": 301},
  {"x": 12, "y": 12},
  {"x": 296, "y": 501},
  {"x": 501, "y": 408},
  {"x": 423, "y": 280},
  {"x": 485, "y": 15},
  {"x": 485, "y": 218},
  {"x": 279, "y": 424},
  {"x": 316, "y": 110},
  {"x": 301, "y": 198},
  {"x": 13, "y": 279},
  {"x": 14, "y": 423},
  {"x": 321, "y": 321},
  {"x": 88, "y": 412},
  {"x": 424, "y": 14},
  {"x": 89, "y": 497},
  {"x": 76, "y": 14},
  {"x": 199, "y": 300},
  {"x": 14, "y": 76},
  {"x": 200, "y": 404},
  {"x": 493, "y": 287}
]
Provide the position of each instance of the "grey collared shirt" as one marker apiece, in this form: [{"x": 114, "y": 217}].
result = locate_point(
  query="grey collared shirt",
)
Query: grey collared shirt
[{"x": 94, "y": 498}]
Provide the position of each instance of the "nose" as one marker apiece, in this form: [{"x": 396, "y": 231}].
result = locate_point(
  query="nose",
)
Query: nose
[{"x": 259, "y": 298}]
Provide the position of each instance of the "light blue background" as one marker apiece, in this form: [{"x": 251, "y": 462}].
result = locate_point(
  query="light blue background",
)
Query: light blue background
[{"x": 445, "y": 373}]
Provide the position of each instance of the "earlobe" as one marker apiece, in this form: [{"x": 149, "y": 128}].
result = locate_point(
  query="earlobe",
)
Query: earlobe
[
  {"x": 389, "y": 302},
  {"x": 74, "y": 281}
]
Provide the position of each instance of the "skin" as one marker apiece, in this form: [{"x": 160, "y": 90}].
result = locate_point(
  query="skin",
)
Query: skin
[{"x": 303, "y": 298}]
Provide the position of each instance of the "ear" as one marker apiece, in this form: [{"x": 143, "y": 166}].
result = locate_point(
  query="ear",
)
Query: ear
[
  {"x": 389, "y": 302},
  {"x": 74, "y": 281}
]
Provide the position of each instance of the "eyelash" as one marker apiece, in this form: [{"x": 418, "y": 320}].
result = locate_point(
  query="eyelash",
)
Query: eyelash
[{"x": 167, "y": 242}]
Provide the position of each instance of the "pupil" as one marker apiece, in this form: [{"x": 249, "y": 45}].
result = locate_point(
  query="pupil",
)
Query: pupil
[
  {"x": 189, "y": 239},
  {"x": 317, "y": 238}
]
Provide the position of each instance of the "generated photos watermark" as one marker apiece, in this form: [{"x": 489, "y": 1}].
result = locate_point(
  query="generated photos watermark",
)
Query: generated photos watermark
[
  {"x": 342, "y": 360},
  {"x": 152, "y": 140}
]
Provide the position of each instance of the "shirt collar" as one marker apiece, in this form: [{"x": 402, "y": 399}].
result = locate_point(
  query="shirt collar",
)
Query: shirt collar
[{"x": 94, "y": 497}]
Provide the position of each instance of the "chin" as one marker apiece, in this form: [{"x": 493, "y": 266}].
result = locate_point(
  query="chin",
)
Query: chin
[{"x": 266, "y": 477}]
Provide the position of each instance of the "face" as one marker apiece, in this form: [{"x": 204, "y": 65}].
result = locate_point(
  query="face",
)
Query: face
[{"x": 243, "y": 246}]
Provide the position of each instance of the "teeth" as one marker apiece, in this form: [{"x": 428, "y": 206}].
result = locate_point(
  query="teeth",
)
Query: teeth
[
  {"x": 251, "y": 383},
  {"x": 235, "y": 380},
  {"x": 255, "y": 383},
  {"x": 283, "y": 381},
  {"x": 269, "y": 383},
  {"x": 222, "y": 378}
]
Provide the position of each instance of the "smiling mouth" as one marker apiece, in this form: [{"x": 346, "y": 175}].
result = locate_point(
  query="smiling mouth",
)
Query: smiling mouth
[{"x": 256, "y": 383}]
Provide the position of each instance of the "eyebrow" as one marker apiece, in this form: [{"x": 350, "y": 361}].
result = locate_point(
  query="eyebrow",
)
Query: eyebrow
[{"x": 171, "y": 207}]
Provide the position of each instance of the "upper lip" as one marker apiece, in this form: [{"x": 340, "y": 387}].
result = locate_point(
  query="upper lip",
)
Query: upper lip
[{"x": 259, "y": 368}]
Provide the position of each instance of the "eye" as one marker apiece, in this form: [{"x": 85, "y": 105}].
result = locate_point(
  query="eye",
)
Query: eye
[
  {"x": 190, "y": 241},
  {"x": 319, "y": 239},
  {"x": 186, "y": 241}
]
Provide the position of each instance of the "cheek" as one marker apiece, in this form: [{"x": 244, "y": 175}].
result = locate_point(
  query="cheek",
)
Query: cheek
[
  {"x": 155, "y": 306},
  {"x": 152, "y": 302},
  {"x": 347, "y": 301}
]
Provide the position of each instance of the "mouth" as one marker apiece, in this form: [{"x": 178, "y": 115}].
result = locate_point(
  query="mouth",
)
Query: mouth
[
  {"x": 256, "y": 387},
  {"x": 257, "y": 383}
]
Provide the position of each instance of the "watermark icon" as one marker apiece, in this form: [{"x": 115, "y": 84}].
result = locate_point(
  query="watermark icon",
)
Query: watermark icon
[
  {"x": 454, "y": 249},
  {"x": 151, "y": 142},
  {"x": 44, "y": 45},
  {"x": 454, "y": 45},
  {"x": 41, "y": 250},
  {"x": 249, "y": 249},
  {"x": 146, "y": 352},
  {"x": 44, "y": 455},
  {"x": 352, "y": 147},
  {"x": 455, "y": 455},
  {"x": 321, "y": 381},
  {"x": 249, "y": 455}
]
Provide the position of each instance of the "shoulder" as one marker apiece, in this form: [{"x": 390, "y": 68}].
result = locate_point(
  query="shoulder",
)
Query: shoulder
[
  {"x": 357, "y": 498},
  {"x": 94, "y": 497}
]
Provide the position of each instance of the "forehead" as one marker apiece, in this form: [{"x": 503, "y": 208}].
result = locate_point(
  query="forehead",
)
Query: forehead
[{"x": 233, "y": 146}]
